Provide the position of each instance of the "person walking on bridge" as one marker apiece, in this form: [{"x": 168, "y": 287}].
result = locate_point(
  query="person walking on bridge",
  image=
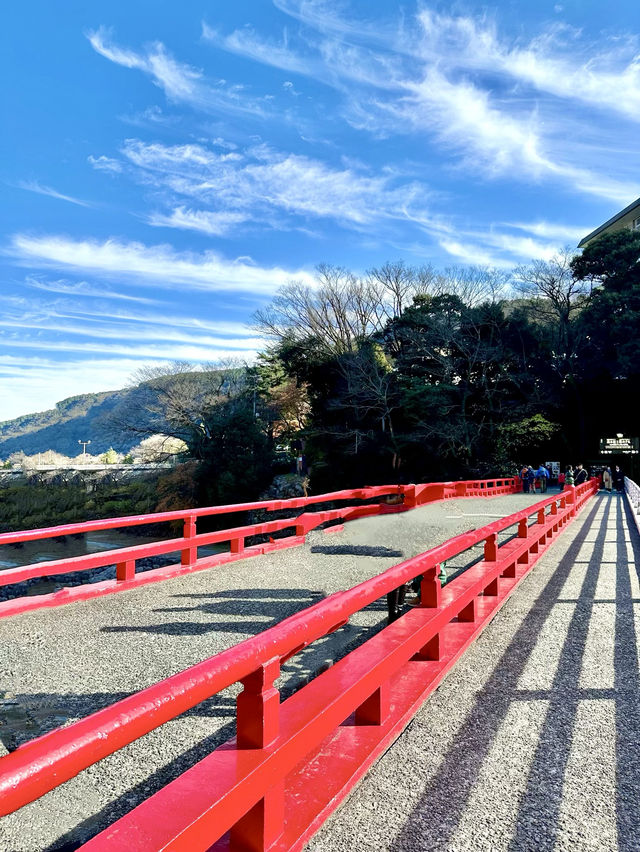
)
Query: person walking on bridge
[
  {"x": 581, "y": 475},
  {"x": 618, "y": 479},
  {"x": 607, "y": 479},
  {"x": 542, "y": 475}
]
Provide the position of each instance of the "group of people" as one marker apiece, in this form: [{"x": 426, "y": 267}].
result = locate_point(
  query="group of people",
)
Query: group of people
[
  {"x": 612, "y": 479},
  {"x": 533, "y": 479},
  {"x": 538, "y": 479},
  {"x": 573, "y": 477}
]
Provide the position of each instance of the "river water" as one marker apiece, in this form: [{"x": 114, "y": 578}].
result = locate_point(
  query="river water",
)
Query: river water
[{"x": 46, "y": 550}]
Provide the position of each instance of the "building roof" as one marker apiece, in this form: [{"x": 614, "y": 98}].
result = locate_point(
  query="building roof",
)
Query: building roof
[{"x": 634, "y": 204}]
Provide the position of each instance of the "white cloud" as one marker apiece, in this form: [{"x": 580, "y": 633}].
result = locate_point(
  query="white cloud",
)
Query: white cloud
[
  {"x": 180, "y": 82},
  {"x": 160, "y": 266},
  {"x": 105, "y": 164},
  {"x": 30, "y": 383},
  {"x": 166, "y": 352},
  {"x": 35, "y": 383},
  {"x": 557, "y": 62},
  {"x": 474, "y": 254},
  {"x": 451, "y": 78},
  {"x": 35, "y": 186},
  {"x": 570, "y": 234},
  {"x": 82, "y": 289},
  {"x": 205, "y": 221},
  {"x": 262, "y": 185},
  {"x": 53, "y": 322},
  {"x": 247, "y": 43}
]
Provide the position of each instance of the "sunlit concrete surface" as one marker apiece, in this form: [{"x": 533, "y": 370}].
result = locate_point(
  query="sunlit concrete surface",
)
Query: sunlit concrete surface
[{"x": 533, "y": 741}]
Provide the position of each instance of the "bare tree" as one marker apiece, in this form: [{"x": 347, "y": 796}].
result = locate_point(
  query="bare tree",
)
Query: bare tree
[
  {"x": 396, "y": 284},
  {"x": 174, "y": 401},
  {"x": 342, "y": 308},
  {"x": 557, "y": 296},
  {"x": 472, "y": 284}
]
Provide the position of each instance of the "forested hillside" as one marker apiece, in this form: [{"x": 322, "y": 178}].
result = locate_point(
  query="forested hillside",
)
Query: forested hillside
[{"x": 83, "y": 417}]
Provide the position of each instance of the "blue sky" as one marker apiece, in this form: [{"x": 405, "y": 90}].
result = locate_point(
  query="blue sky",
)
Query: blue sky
[{"x": 166, "y": 167}]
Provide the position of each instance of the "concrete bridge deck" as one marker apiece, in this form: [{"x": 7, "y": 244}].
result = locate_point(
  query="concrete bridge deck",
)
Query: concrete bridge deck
[
  {"x": 533, "y": 741},
  {"x": 543, "y": 708}
]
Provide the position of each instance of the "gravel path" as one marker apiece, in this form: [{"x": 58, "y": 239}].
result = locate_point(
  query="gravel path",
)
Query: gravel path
[
  {"x": 533, "y": 741},
  {"x": 58, "y": 666}
]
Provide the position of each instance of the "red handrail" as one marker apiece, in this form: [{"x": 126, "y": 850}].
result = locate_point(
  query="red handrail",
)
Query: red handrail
[
  {"x": 48, "y": 761},
  {"x": 125, "y": 558}
]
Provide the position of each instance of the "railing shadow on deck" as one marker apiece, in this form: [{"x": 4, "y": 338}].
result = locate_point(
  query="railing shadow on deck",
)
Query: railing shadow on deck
[
  {"x": 296, "y": 672},
  {"x": 437, "y": 815}
]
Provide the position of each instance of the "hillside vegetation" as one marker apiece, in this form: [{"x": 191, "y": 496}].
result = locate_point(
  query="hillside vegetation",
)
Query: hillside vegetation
[{"x": 84, "y": 417}]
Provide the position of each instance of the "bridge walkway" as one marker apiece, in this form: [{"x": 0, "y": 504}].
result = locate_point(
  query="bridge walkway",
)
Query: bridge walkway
[
  {"x": 59, "y": 665},
  {"x": 533, "y": 741},
  {"x": 543, "y": 708}
]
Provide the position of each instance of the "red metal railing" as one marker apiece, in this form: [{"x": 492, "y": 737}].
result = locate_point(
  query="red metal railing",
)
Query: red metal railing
[
  {"x": 296, "y": 758},
  {"x": 125, "y": 559}
]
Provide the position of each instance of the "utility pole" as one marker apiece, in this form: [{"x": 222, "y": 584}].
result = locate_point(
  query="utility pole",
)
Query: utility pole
[{"x": 84, "y": 447}]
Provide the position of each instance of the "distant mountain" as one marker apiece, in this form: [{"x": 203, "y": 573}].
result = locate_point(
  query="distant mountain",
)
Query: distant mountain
[{"x": 78, "y": 418}]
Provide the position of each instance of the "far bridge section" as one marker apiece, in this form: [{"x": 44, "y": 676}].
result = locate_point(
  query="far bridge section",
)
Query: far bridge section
[{"x": 325, "y": 691}]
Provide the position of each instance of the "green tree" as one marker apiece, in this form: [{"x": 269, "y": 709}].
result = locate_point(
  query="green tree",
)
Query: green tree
[
  {"x": 110, "y": 457},
  {"x": 611, "y": 321}
]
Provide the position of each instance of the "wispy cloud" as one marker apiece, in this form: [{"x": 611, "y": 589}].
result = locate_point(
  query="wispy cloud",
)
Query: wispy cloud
[
  {"x": 558, "y": 61},
  {"x": 80, "y": 289},
  {"x": 207, "y": 222},
  {"x": 570, "y": 234},
  {"x": 262, "y": 185},
  {"x": 248, "y": 43},
  {"x": 105, "y": 164},
  {"x": 32, "y": 383},
  {"x": 491, "y": 100},
  {"x": 159, "y": 266},
  {"x": 41, "y": 189},
  {"x": 180, "y": 82},
  {"x": 35, "y": 382}
]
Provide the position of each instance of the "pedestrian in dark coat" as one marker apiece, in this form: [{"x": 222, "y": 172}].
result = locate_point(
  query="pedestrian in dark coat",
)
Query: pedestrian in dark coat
[
  {"x": 581, "y": 475},
  {"x": 618, "y": 479}
]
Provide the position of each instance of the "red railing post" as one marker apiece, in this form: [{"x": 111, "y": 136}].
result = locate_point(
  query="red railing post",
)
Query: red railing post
[
  {"x": 491, "y": 548},
  {"x": 237, "y": 545},
  {"x": 258, "y": 725},
  {"x": 430, "y": 588},
  {"x": 375, "y": 709},
  {"x": 125, "y": 570},
  {"x": 523, "y": 528},
  {"x": 258, "y": 707},
  {"x": 430, "y": 596},
  {"x": 261, "y": 826},
  {"x": 189, "y": 555},
  {"x": 409, "y": 496}
]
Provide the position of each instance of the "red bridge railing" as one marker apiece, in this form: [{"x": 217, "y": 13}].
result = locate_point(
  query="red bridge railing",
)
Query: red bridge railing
[
  {"x": 292, "y": 762},
  {"x": 125, "y": 559}
]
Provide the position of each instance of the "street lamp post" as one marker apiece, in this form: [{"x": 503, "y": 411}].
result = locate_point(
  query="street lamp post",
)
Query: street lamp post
[{"x": 84, "y": 447}]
